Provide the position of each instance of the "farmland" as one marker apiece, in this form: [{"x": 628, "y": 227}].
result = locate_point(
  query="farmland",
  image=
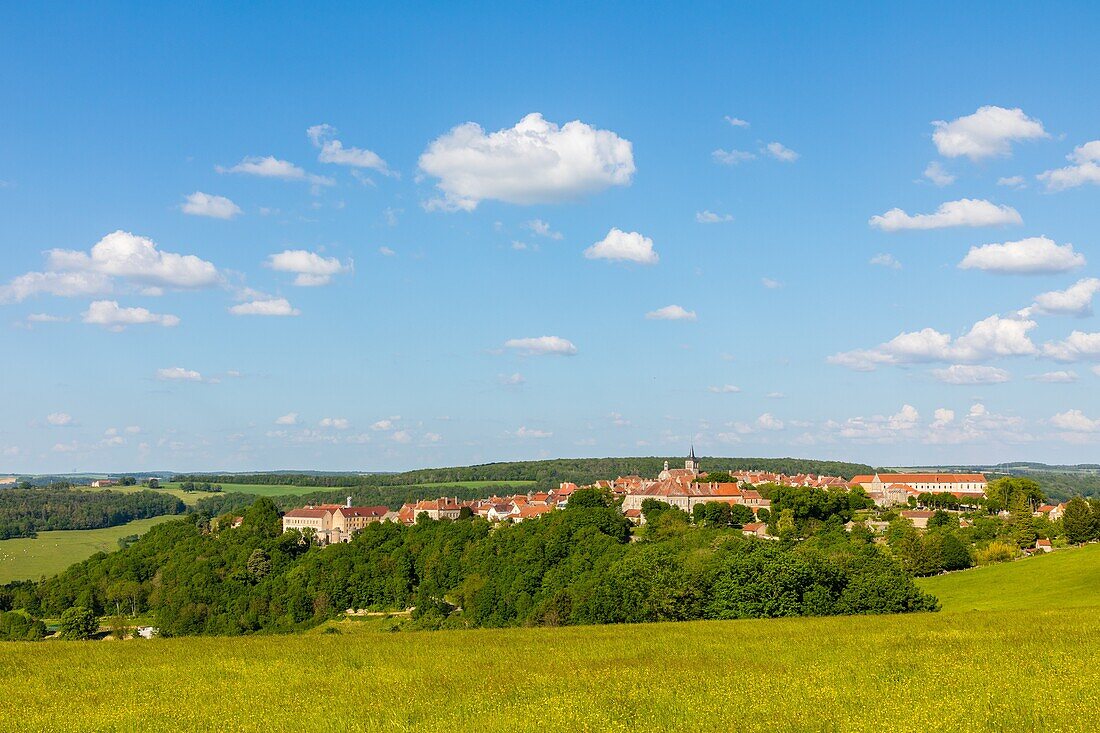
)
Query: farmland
[{"x": 51, "y": 552}]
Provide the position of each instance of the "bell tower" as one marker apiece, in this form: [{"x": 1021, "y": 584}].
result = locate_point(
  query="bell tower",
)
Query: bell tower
[{"x": 691, "y": 464}]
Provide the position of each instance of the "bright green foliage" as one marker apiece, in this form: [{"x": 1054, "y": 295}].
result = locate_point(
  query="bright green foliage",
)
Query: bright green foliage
[
  {"x": 1079, "y": 521},
  {"x": 24, "y": 512},
  {"x": 78, "y": 623},
  {"x": 19, "y": 626}
]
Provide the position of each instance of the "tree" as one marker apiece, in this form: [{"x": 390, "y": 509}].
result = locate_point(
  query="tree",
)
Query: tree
[
  {"x": 263, "y": 516},
  {"x": 940, "y": 518},
  {"x": 465, "y": 513},
  {"x": 587, "y": 498},
  {"x": 259, "y": 564},
  {"x": 1078, "y": 521},
  {"x": 78, "y": 623}
]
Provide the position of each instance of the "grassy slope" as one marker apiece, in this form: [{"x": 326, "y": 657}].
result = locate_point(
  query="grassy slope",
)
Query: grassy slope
[
  {"x": 51, "y": 552},
  {"x": 1064, "y": 578},
  {"x": 828, "y": 674}
]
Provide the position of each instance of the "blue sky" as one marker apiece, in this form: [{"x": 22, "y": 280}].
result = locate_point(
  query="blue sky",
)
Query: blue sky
[{"x": 324, "y": 238}]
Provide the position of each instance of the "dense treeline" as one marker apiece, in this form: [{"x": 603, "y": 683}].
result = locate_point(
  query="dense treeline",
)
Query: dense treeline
[
  {"x": 546, "y": 473},
  {"x": 24, "y": 512},
  {"x": 576, "y": 566}
]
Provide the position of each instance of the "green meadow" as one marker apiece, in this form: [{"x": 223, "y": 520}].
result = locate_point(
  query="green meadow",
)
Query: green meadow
[
  {"x": 1033, "y": 667},
  {"x": 49, "y": 553}
]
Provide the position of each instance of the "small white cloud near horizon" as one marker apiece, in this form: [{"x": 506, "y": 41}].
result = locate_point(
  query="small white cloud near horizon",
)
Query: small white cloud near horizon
[
  {"x": 1075, "y": 421},
  {"x": 205, "y": 204},
  {"x": 108, "y": 314},
  {"x": 265, "y": 307},
  {"x": 291, "y": 418},
  {"x": 781, "y": 152},
  {"x": 938, "y": 175},
  {"x": 1031, "y": 256},
  {"x": 620, "y": 246},
  {"x": 59, "y": 419},
  {"x": 709, "y": 217},
  {"x": 988, "y": 132},
  {"x": 178, "y": 374},
  {"x": 540, "y": 345},
  {"x": 1016, "y": 182},
  {"x": 1085, "y": 169},
  {"x": 532, "y": 433},
  {"x": 770, "y": 284},
  {"x": 885, "y": 259},
  {"x": 971, "y": 374},
  {"x": 511, "y": 380},
  {"x": 724, "y": 389},
  {"x": 767, "y": 421},
  {"x": 1058, "y": 377},
  {"x": 961, "y": 213},
  {"x": 336, "y": 423},
  {"x": 534, "y": 162},
  {"x": 731, "y": 157},
  {"x": 736, "y": 121},
  {"x": 386, "y": 251},
  {"x": 542, "y": 228},
  {"x": 46, "y": 318},
  {"x": 271, "y": 167},
  {"x": 333, "y": 151},
  {"x": 311, "y": 268},
  {"x": 671, "y": 313}
]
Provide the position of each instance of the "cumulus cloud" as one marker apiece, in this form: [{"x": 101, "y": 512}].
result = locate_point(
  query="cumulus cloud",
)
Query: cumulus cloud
[
  {"x": 723, "y": 389},
  {"x": 526, "y": 432},
  {"x": 1012, "y": 182},
  {"x": 781, "y": 152},
  {"x": 539, "y": 345},
  {"x": 336, "y": 423},
  {"x": 59, "y": 419},
  {"x": 46, "y": 318},
  {"x": 970, "y": 374},
  {"x": 1059, "y": 377},
  {"x": 709, "y": 217},
  {"x": 989, "y": 132},
  {"x": 1078, "y": 346},
  {"x": 386, "y": 251},
  {"x": 542, "y": 228},
  {"x": 885, "y": 260},
  {"x": 731, "y": 157},
  {"x": 1031, "y": 256},
  {"x": 992, "y": 337},
  {"x": 265, "y": 307},
  {"x": 736, "y": 121},
  {"x": 767, "y": 421},
  {"x": 108, "y": 314},
  {"x": 770, "y": 283},
  {"x": 534, "y": 162},
  {"x": 384, "y": 424},
  {"x": 671, "y": 313},
  {"x": 311, "y": 268},
  {"x": 271, "y": 167},
  {"x": 1075, "y": 421},
  {"x": 961, "y": 213},
  {"x": 620, "y": 246},
  {"x": 1085, "y": 169},
  {"x": 205, "y": 204},
  {"x": 62, "y": 284},
  {"x": 333, "y": 151},
  {"x": 1076, "y": 300},
  {"x": 178, "y": 374},
  {"x": 136, "y": 258},
  {"x": 291, "y": 418},
  {"x": 937, "y": 174}
]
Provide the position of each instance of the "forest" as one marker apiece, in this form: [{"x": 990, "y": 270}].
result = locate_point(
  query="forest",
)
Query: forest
[
  {"x": 576, "y": 566},
  {"x": 26, "y": 511}
]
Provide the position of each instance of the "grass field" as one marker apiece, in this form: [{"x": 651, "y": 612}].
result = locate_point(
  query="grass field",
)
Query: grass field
[
  {"x": 51, "y": 552},
  {"x": 1064, "y": 578},
  {"x": 190, "y": 498}
]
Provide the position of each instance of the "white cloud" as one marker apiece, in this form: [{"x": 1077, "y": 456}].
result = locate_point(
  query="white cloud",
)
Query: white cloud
[
  {"x": 312, "y": 269},
  {"x": 108, "y": 314},
  {"x": 59, "y": 419},
  {"x": 70, "y": 447},
  {"x": 671, "y": 313},
  {"x": 770, "y": 283},
  {"x": 767, "y": 421},
  {"x": 178, "y": 374},
  {"x": 961, "y": 213},
  {"x": 1076, "y": 300},
  {"x": 133, "y": 429},
  {"x": 1035, "y": 255},
  {"x": 618, "y": 420},
  {"x": 994, "y": 336},
  {"x": 620, "y": 246},
  {"x": 132, "y": 257},
  {"x": 46, "y": 318},
  {"x": 533, "y": 162},
  {"x": 511, "y": 380},
  {"x": 731, "y": 157},
  {"x": 271, "y": 167},
  {"x": 781, "y": 152},
  {"x": 775, "y": 395},
  {"x": 336, "y": 423},
  {"x": 1012, "y": 182},
  {"x": 942, "y": 417},
  {"x": 386, "y": 252},
  {"x": 401, "y": 436},
  {"x": 885, "y": 260},
  {"x": 723, "y": 389},
  {"x": 205, "y": 204},
  {"x": 542, "y": 228},
  {"x": 1085, "y": 169},
  {"x": 525, "y": 432},
  {"x": 523, "y": 246},
  {"x": 333, "y": 151},
  {"x": 385, "y": 424},
  {"x": 988, "y": 132},
  {"x": 736, "y": 121},
  {"x": 291, "y": 418},
  {"x": 1075, "y": 421},
  {"x": 970, "y": 374},
  {"x": 536, "y": 346},
  {"x": 937, "y": 174},
  {"x": 1078, "y": 346},
  {"x": 709, "y": 217},
  {"x": 265, "y": 307},
  {"x": 62, "y": 284},
  {"x": 432, "y": 437},
  {"x": 1059, "y": 377}
]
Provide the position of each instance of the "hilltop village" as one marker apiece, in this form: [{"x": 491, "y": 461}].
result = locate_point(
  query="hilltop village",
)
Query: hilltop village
[{"x": 915, "y": 495}]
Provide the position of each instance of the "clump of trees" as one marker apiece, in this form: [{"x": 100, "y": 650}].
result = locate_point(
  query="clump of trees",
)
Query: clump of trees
[{"x": 24, "y": 512}]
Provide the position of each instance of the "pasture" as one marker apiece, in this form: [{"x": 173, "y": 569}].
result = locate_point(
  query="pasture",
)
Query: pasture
[{"x": 51, "y": 552}]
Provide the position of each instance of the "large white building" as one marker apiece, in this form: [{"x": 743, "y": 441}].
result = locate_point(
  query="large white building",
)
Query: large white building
[{"x": 972, "y": 484}]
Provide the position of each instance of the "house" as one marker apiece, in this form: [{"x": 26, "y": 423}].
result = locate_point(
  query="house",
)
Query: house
[
  {"x": 1043, "y": 545},
  {"x": 1057, "y": 512},
  {"x": 755, "y": 529},
  {"x": 969, "y": 484},
  {"x": 309, "y": 518},
  {"x": 102, "y": 483},
  {"x": 531, "y": 511},
  {"x": 918, "y": 517}
]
